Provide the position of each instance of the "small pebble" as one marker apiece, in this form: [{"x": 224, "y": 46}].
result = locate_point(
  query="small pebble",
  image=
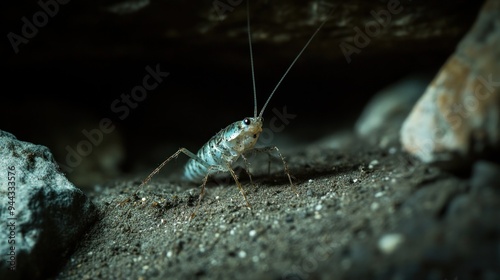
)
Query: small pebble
[
  {"x": 318, "y": 207},
  {"x": 242, "y": 254},
  {"x": 372, "y": 164},
  {"x": 389, "y": 242},
  {"x": 379, "y": 194},
  {"x": 252, "y": 233}
]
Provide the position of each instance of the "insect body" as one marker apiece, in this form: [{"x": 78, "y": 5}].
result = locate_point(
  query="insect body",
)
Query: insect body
[
  {"x": 234, "y": 141},
  {"x": 224, "y": 149}
]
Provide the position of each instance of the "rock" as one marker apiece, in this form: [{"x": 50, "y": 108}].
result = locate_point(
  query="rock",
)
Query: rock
[
  {"x": 85, "y": 153},
  {"x": 381, "y": 120},
  {"x": 485, "y": 174},
  {"x": 216, "y": 24},
  {"x": 42, "y": 213},
  {"x": 458, "y": 116}
]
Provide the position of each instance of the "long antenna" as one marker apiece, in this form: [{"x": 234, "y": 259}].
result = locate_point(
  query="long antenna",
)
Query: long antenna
[
  {"x": 293, "y": 62},
  {"x": 251, "y": 61}
]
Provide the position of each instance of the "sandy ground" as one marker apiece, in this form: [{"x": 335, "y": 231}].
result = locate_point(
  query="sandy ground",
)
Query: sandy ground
[{"x": 361, "y": 213}]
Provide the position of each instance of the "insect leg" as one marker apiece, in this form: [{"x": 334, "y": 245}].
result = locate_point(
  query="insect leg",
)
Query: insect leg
[
  {"x": 176, "y": 154},
  {"x": 247, "y": 168},
  {"x": 239, "y": 185},
  {"x": 268, "y": 151},
  {"x": 205, "y": 179}
]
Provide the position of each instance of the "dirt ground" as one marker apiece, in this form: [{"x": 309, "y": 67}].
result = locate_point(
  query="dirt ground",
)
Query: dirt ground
[{"x": 361, "y": 213}]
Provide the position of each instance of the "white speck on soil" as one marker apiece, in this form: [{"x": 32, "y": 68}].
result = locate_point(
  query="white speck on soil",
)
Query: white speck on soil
[
  {"x": 242, "y": 254},
  {"x": 389, "y": 242},
  {"x": 372, "y": 164}
]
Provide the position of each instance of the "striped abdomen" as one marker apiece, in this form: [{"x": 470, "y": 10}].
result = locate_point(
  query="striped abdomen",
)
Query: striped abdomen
[
  {"x": 223, "y": 149},
  {"x": 214, "y": 153}
]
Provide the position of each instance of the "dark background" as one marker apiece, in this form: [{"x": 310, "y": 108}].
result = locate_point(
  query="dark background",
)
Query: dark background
[{"x": 67, "y": 76}]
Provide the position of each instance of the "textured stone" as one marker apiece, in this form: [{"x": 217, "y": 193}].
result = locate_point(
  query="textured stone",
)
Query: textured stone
[
  {"x": 152, "y": 28},
  {"x": 383, "y": 116},
  {"x": 485, "y": 174},
  {"x": 46, "y": 214},
  {"x": 459, "y": 112}
]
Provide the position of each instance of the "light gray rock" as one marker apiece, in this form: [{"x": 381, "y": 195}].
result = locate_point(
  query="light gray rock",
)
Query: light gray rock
[
  {"x": 458, "y": 117},
  {"x": 42, "y": 213},
  {"x": 381, "y": 120}
]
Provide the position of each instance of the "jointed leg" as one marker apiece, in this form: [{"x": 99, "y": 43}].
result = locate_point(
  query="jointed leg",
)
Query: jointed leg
[
  {"x": 239, "y": 185},
  {"x": 181, "y": 150},
  {"x": 247, "y": 169},
  {"x": 205, "y": 179},
  {"x": 268, "y": 150}
]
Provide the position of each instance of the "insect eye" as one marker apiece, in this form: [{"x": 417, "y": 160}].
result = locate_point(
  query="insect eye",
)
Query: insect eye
[{"x": 246, "y": 121}]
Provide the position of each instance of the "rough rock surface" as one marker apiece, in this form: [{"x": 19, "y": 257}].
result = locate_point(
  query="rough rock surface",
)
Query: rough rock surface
[
  {"x": 388, "y": 108},
  {"x": 459, "y": 114},
  {"x": 42, "y": 213},
  {"x": 154, "y": 28}
]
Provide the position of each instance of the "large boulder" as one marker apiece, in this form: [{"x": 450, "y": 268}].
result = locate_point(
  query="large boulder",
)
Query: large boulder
[
  {"x": 458, "y": 116},
  {"x": 42, "y": 213}
]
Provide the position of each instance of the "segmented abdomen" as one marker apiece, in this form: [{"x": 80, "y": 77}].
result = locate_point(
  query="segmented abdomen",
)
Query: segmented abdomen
[{"x": 214, "y": 153}]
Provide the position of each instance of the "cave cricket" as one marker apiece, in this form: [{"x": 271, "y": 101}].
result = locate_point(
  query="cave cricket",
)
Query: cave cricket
[{"x": 234, "y": 141}]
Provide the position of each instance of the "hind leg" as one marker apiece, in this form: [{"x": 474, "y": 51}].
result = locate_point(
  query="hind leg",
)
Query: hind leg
[
  {"x": 247, "y": 169},
  {"x": 268, "y": 151},
  {"x": 176, "y": 154},
  {"x": 205, "y": 180},
  {"x": 202, "y": 192}
]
